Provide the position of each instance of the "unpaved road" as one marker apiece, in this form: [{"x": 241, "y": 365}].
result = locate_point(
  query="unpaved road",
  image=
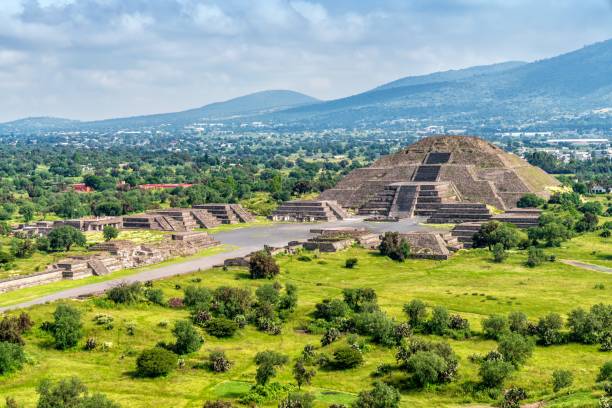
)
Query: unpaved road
[{"x": 246, "y": 239}]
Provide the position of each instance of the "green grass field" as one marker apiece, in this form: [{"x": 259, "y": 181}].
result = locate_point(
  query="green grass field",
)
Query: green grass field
[{"x": 469, "y": 284}]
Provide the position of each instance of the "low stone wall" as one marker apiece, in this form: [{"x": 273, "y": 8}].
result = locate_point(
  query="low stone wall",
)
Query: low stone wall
[{"x": 19, "y": 282}]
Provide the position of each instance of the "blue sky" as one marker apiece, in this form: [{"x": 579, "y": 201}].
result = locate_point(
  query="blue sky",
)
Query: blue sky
[{"x": 91, "y": 59}]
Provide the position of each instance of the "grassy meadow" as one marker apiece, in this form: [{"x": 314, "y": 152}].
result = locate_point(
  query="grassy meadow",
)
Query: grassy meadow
[{"x": 469, "y": 284}]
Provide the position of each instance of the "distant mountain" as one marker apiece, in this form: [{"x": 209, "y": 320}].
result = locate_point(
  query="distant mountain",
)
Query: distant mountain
[
  {"x": 452, "y": 75},
  {"x": 249, "y": 105},
  {"x": 570, "y": 83}
]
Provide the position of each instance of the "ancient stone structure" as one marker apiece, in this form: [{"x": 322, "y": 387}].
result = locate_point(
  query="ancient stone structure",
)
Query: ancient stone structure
[
  {"x": 91, "y": 223},
  {"x": 437, "y": 172},
  {"x": 309, "y": 211},
  {"x": 171, "y": 219},
  {"x": 34, "y": 230},
  {"x": 227, "y": 213},
  {"x": 432, "y": 245}
]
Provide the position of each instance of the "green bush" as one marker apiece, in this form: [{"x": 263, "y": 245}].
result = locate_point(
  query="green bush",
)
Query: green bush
[
  {"x": 125, "y": 293},
  {"x": 331, "y": 309},
  {"x": 218, "y": 362},
  {"x": 605, "y": 372},
  {"x": 11, "y": 357},
  {"x": 562, "y": 379},
  {"x": 381, "y": 396},
  {"x": 530, "y": 200},
  {"x": 494, "y": 326},
  {"x": 155, "y": 362},
  {"x": 360, "y": 299},
  {"x": 188, "y": 340},
  {"x": 197, "y": 296},
  {"x": 263, "y": 265},
  {"x": 416, "y": 312},
  {"x": 346, "y": 357},
  {"x": 267, "y": 362},
  {"x": 549, "y": 330},
  {"x": 439, "y": 321},
  {"x": 499, "y": 253},
  {"x": 350, "y": 263},
  {"x": 66, "y": 328},
  {"x": 515, "y": 348},
  {"x": 155, "y": 295},
  {"x": 427, "y": 367},
  {"x": 494, "y": 372},
  {"x": 109, "y": 232},
  {"x": 70, "y": 392},
  {"x": 297, "y": 400},
  {"x": 394, "y": 246},
  {"x": 221, "y": 327}
]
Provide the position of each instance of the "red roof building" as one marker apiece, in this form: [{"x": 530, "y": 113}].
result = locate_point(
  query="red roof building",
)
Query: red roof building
[{"x": 162, "y": 186}]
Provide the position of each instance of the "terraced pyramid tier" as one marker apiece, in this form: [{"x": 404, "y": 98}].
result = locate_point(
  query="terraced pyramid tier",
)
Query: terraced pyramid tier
[{"x": 475, "y": 170}]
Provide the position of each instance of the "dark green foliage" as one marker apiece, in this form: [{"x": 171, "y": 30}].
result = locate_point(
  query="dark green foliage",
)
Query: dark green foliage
[
  {"x": 535, "y": 257},
  {"x": 125, "y": 293},
  {"x": 394, "y": 246},
  {"x": 562, "y": 379},
  {"x": 416, "y": 312},
  {"x": 515, "y": 348},
  {"x": 378, "y": 326},
  {"x": 592, "y": 207},
  {"x": 548, "y": 330},
  {"x": 188, "y": 340},
  {"x": 350, "y": 263},
  {"x": 11, "y": 328},
  {"x": 268, "y": 294},
  {"x": 66, "y": 328},
  {"x": 267, "y": 362},
  {"x": 494, "y": 326},
  {"x": 263, "y": 265},
  {"x": 231, "y": 302},
  {"x": 331, "y": 309},
  {"x": 409, "y": 347},
  {"x": 110, "y": 232},
  {"x": 155, "y": 362},
  {"x": 217, "y": 404},
  {"x": 493, "y": 372},
  {"x": 513, "y": 397},
  {"x": 380, "y": 396},
  {"x": 588, "y": 223},
  {"x": 346, "y": 357},
  {"x": 302, "y": 373},
  {"x": 518, "y": 323},
  {"x": 332, "y": 334},
  {"x": 499, "y": 253},
  {"x": 427, "y": 367},
  {"x": 11, "y": 357},
  {"x": 197, "y": 296},
  {"x": 552, "y": 229},
  {"x": 218, "y": 362},
  {"x": 221, "y": 327},
  {"x": 155, "y": 295},
  {"x": 70, "y": 393},
  {"x": 605, "y": 372},
  {"x": 360, "y": 299},
  {"x": 494, "y": 232},
  {"x": 439, "y": 321},
  {"x": 297, "y": 400},
  {"x": 530, "y": 200},
  {"x": 64, "y": 237},
  {"x": 566, "y": 200}
]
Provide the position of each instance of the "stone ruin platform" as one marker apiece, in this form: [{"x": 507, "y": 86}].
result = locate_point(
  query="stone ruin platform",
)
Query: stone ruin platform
[
  {"x": 91, "y": 223},
  {"x": 309, "y": 211},
  {"x": 227, "y": 213},
  {"x": 432, "y": 245}
]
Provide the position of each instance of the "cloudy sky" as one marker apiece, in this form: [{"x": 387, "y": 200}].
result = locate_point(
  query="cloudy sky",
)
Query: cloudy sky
[{"x": 91, "y": 59}]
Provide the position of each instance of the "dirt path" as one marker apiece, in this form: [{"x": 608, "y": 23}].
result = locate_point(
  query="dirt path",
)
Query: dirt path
[{"x": 583, "y": 265}]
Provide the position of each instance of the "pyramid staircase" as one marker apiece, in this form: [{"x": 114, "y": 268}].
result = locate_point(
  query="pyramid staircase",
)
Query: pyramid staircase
[
  {"x": 227, "y": 213},
  {"x": 427, "y": 173},
  {"x": 242, "y": 214},
  {"x": 205, "y": 219},
  {"x": 454, "y": 213},
  {"x": 309, "y": 211},
  {"x": 98, "y": 268}
]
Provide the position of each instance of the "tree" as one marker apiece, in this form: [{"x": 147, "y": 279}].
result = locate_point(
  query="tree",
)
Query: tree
[
  {"x": 65, "y": 237},
  {"x": 588, "y": 223},
  {"x": 427, "y": 367},
  {"x": 302, "y": 374},
  {"x": 110, "y": 232},
  {"x": 331, "y": 310},
  {"x": 513, "y": 397},
  {"x": 267, "y": 362},
  {"x": 394, "y": 246},
  {"x": 530, "y": 200},
  {"x": 66, "y": 328},
  {"x": 263, "y": 265},
  {"x": 27, "y": 211},
  {"x": 562, "y": 379},
  {"x": 493, "y": 372},
  {"x": 12, "y": 357},
  {"x": 360, "y": 299},
  {"x": 416, "y": 312},
  {"x": 515, "y": 348},
  {"x": 494, "y": 232},
  {"x": 155, "y": 362},
  {"x": 69, "y": 206},
  {"x": 380, "y": 396},
  {"x": 438, "y": 324},
  {"x": 494, "y": 326},
  {"x": 347, "y": 357},
  {"x": 70, "y": 393},
  {"x": 188, "y": 340},
  {"x": 548, "y": 329},
  {"x": 499, "y": 253}
]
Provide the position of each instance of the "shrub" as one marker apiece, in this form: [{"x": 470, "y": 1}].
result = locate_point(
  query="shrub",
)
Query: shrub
[
  {"x": 493, "y": 372},
  {"x": 494, "y": 232},
  {"x": 221, "y": 327},
  {"x": 416, "y": 312},
  {"x": 297, "y": 400},
  {"x": 217, "y": 404},
  {"x": 513, "y": 397},
  {"x": 359, "y": 299},
  {"x": 332, "y": 334},
  {"x": 378, "y": 326},
  {"x": 91, "y": 344},
  {"x": 11, "y": 357},
  {"x": 548, "y": 330},
  {"x": 267, "y": 361},
  {"x": 231, "y": 302},
  {"x": 530, "y": 200},
  {"x": 499, "y": 253},
  {"x": 64, "y": 237},
  {"x": 350, "y": 263},
  {"x": 394, "y": 246},
  {"x": 605, "y": 372},
  {"x": 518, "y": 323},
  {"x": 302, "y": 374},
  {"x": 331, "y": 309},
  {"x": 109, "y": 232},
  {"x": 155, "y": 362},
  {"x": 197, "y": 296},
  {"x": 155, "y": 295},
  {"x": 263, "y": 265},
  {"x": 11, "y": 328},
  {"x": 67, "y": 393},
  {"x": 440, "y": 319},
  {"x": 66, "y": 328},
  {"x": 494, "y": 326},
  {"x": 175, "y": 303},
  {"x": 125, "y": 293},
  {"x": 380, "y": 396},
  {"x": 346, "y": 357},
  {"x": 561, "y": 379},
  {"x": 535, "y": 257},
  {"x": 427, "y": 367},
  {"x": 187, "y": 338},
  {"x": 218, "y": 362},
  {"x": 515, "y": 348}
]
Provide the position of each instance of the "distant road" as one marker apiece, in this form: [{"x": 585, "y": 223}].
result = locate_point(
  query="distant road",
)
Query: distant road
[
  {"x": 584, "y": 265},
  {"x": 246, "y": 239}
]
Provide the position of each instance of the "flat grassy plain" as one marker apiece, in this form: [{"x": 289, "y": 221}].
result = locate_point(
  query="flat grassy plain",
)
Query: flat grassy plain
[{"x": 469, "y": 284}]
